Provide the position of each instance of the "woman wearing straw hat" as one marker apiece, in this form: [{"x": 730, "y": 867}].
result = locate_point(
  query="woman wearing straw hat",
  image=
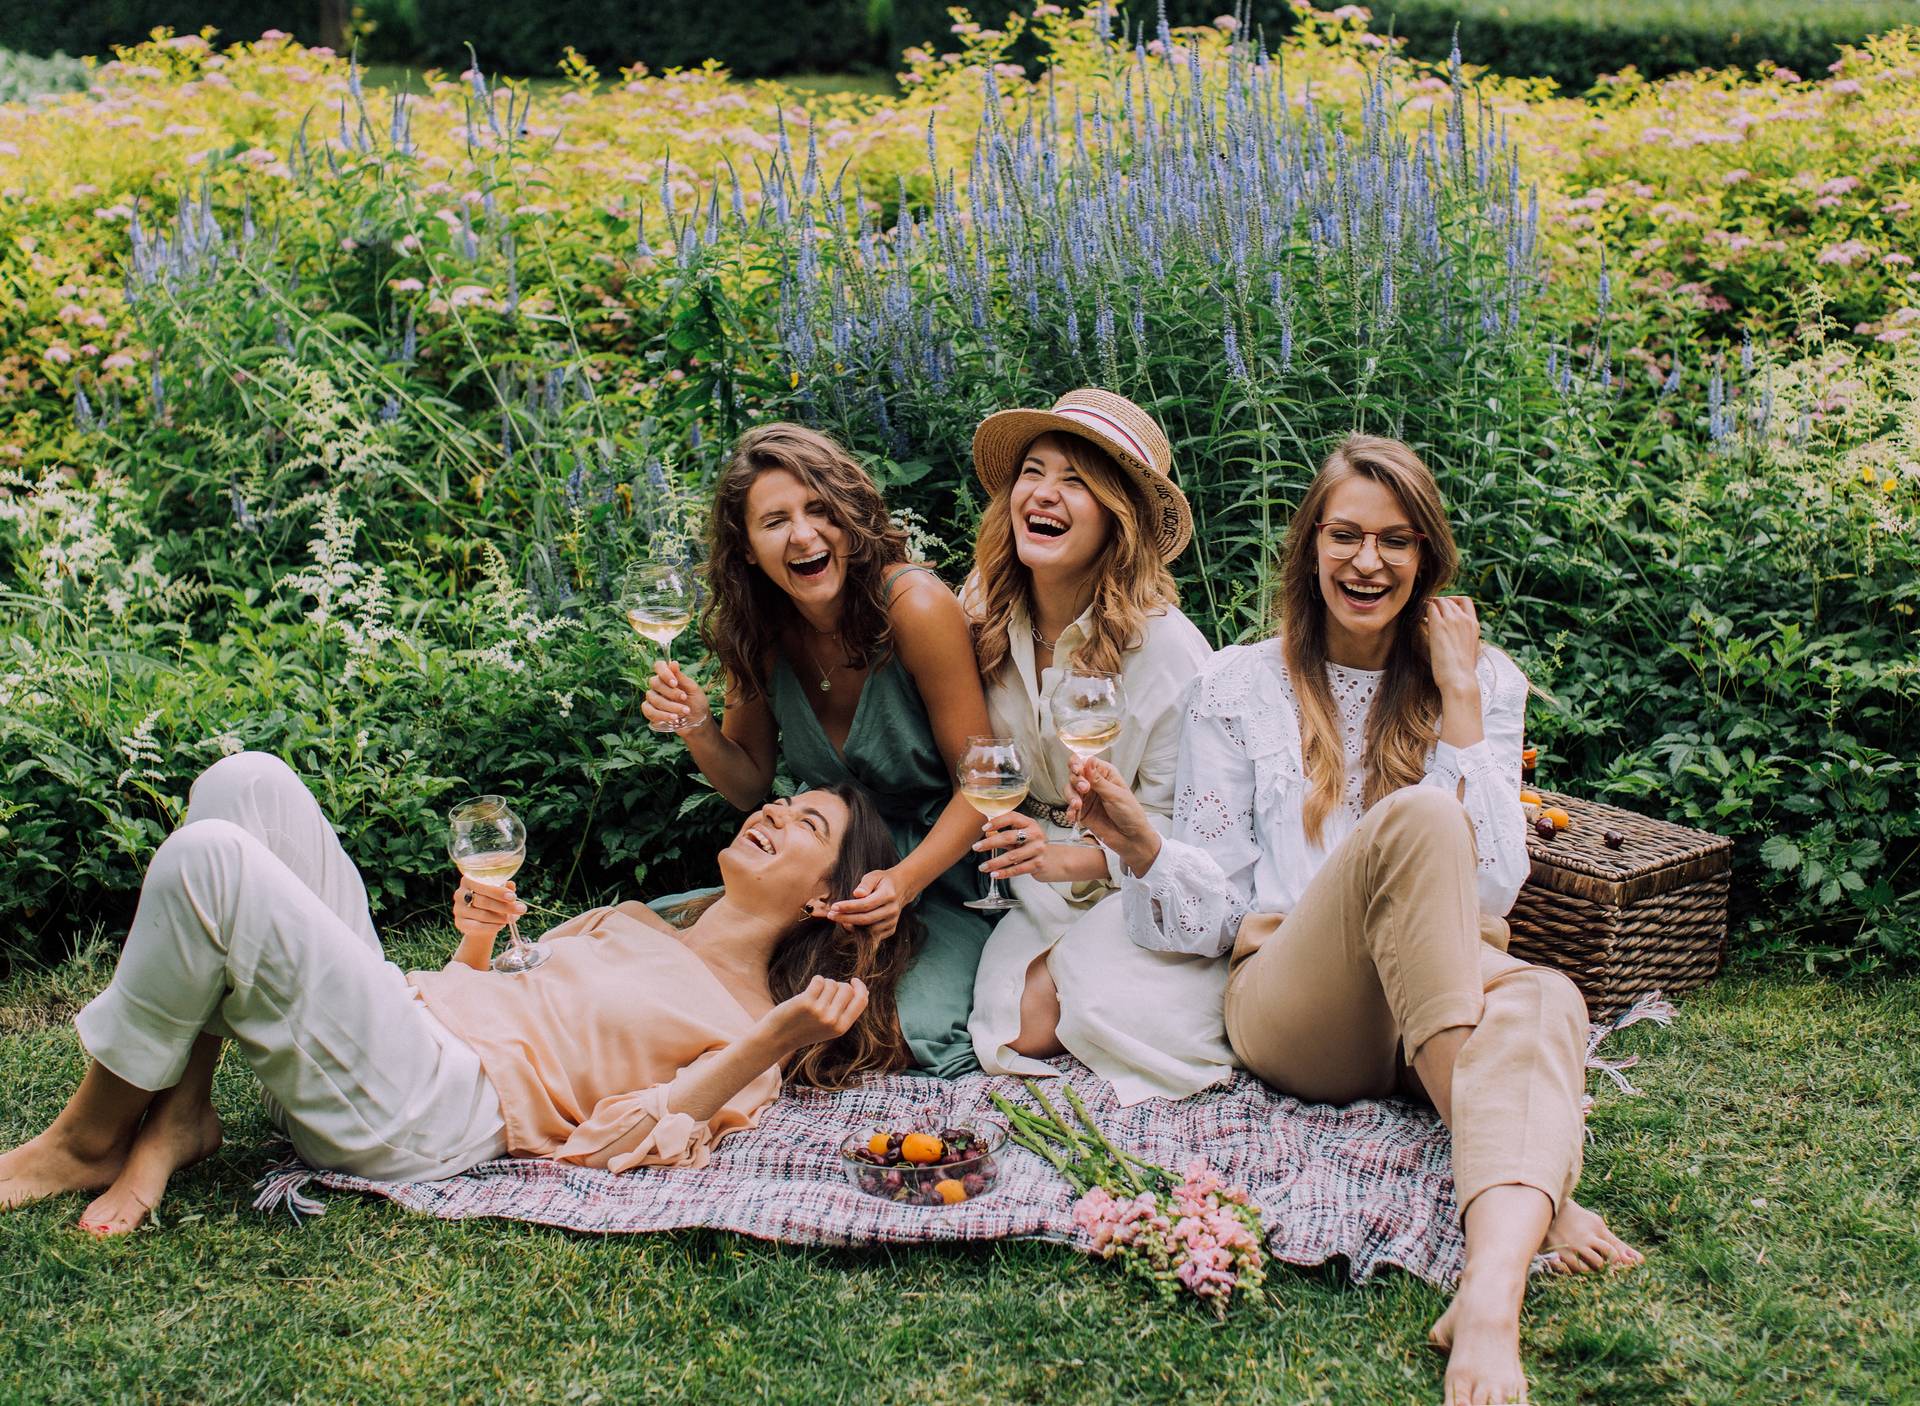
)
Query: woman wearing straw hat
[{"x": 1070, "y": 582}]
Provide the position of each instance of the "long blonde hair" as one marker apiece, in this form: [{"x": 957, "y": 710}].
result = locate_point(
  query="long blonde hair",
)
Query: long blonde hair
[
  {"x": 1405, "y": 718},
  {"x": 1131, "y": 581}
]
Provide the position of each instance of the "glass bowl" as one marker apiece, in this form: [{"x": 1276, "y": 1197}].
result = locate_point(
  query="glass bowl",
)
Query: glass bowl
[{"x": 952, "y": 1181}]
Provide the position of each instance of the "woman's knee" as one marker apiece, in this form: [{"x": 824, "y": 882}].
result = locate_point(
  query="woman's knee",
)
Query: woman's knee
[
  {"x": 1427, "y": 809},
  {"x": 219, "y": 792},
  {"x": 1549, "y": 998},
  {"x": 197, "y": 852}
]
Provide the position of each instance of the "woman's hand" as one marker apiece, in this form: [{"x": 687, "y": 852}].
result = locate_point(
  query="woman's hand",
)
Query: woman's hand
[
  {"x": 1014, "y": 844},
  {"x": 1453, "y": 644},
  {"x": 826, "y": 1010},
  {"x": 673, "y": 697},
  {"x": 479, "y": 912},
  {"x": 1103, "y": 803},
  {"x": 876, "y": 902}
]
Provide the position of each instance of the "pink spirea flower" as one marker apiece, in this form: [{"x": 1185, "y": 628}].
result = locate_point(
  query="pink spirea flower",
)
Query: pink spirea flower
[
  {"x": 1735, "y": 176},
  {"x": 1846, "y": 253},
  {"x": 1840, "y": 185},
  {"x": 1845, "y": 87}
]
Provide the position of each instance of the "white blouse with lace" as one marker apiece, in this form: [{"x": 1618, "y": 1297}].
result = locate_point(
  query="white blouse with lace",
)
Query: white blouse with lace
[{"x": 1239, "y": 843}]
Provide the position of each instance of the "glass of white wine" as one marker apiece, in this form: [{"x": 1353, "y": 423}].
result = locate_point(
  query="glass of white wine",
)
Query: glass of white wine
[
  {"x": 488, "y": 842},
  {"x": 993, "y": 778},
  {"x": 657, "y": 598},
  {"x": 1088, "y": 712}
]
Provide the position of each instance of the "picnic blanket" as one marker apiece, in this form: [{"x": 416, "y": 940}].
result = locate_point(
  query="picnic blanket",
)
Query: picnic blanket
[{"x": 1370, "y": 1183}]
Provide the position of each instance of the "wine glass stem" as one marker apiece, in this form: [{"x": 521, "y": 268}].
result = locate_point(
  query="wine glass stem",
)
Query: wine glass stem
[{"x": 513, "y": 934}]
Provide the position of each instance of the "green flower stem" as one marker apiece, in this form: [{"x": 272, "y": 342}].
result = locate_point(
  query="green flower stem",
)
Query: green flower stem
[{"x": 1120, "y": 1159}]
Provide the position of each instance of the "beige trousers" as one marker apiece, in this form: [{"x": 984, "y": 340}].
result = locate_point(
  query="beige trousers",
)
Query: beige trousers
[
  {"x": 253, "y": 925},
  {"x": 1386, "y": 948}
]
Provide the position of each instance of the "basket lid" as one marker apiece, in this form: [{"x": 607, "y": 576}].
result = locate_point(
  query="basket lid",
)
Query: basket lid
[{"x": 1654, "y": 855}]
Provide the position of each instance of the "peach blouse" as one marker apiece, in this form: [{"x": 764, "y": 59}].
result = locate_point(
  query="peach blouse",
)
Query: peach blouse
[{"x": 587, "y": 1049}]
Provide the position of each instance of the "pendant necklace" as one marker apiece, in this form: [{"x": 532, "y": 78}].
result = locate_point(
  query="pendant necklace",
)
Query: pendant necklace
[{"x": 826, "y": 675}]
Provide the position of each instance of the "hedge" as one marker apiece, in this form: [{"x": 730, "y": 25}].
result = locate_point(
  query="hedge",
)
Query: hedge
[
  {"x": 1574, "y": 41},
  {"x": 95, "y": 26}
]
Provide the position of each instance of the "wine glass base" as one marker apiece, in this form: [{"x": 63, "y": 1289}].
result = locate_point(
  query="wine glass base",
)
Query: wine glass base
[
  {"x": 991, "y": 905},
  {"x": 523, "y": 960},
  {"x": 667, "y": 727}
]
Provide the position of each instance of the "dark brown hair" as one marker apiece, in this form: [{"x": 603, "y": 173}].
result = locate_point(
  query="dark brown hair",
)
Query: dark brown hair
[
  {"x": 1405, "y": 717},
  {"x": 745, "y": 610},
  {"x": 816, "y": 947}
]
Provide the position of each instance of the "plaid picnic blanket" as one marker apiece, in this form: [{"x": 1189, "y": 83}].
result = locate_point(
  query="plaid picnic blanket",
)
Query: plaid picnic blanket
[{"x": 1370, "y": 1183}]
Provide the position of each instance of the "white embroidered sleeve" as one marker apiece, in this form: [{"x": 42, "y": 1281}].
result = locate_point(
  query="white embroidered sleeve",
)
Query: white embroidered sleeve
[
  {"x": 1196, "y": 893},
  {"x": 1490, "y": 771}
]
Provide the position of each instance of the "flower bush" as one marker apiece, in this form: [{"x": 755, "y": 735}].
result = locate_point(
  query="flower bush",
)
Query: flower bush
[{"x": 328, "y": 417}]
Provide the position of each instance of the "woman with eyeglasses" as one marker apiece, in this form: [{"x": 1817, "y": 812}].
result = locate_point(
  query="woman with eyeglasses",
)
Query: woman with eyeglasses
[{"x": 1348, "y": 826}]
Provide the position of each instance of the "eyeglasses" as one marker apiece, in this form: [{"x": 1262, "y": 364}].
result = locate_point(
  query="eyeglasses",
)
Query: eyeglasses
[{"x": 1342, "y": 541}]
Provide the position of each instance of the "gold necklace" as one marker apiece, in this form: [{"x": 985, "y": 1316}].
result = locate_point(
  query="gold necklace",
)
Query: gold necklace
[{"x": 826, "y": 675}]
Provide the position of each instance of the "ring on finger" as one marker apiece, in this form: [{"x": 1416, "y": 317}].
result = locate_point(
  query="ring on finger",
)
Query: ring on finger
[{"x": 466, "y": 896}]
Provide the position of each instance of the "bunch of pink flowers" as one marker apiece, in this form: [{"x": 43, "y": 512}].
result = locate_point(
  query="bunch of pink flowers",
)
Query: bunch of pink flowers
[
  {"x": 1202, "y": 1235},
  {"x": 1194, "y": 1233}
]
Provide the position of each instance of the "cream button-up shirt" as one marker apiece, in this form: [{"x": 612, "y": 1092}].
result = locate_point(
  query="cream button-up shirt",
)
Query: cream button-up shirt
[{"x": 1146, "y": 753}]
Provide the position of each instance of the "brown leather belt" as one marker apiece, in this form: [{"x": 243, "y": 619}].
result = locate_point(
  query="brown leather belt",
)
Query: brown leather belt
[{"x": 1040, "y": 810}]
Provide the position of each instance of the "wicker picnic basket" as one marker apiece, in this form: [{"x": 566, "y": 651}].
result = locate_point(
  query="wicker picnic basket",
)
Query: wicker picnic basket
[{"x": 1649, "y": 916}]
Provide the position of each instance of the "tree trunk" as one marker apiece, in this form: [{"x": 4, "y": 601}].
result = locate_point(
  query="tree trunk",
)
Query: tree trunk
[{"x": 331, "y": 24}]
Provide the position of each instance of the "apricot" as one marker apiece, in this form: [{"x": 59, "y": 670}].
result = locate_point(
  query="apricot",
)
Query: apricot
[
  {"x": 921, "y": 1148},
  {"x": 1529, "y": 798},
  {"x": 1561, "y": 820},
  {"x": 878, "y": 1144},
  {"x": 950, "y": 1191}
]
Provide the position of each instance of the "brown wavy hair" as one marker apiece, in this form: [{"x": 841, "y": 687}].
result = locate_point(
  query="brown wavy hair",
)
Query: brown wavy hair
[
  {"x": 745, "y": 611},
  {"x": 1405, "y": 718},
  {"x": 816, "y": 947},
  {"x": 1131, "y": 581}
]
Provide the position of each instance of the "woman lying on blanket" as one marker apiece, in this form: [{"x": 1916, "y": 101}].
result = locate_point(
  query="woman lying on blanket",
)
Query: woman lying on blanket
[
  {"x": 633, "y": 1044},
  {"x": 845, "y": 662},
  {"x": 1348, "y": 824},
  {"x": 1071, "y": 577}
]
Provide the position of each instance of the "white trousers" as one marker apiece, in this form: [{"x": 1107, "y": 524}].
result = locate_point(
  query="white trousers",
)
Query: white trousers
[{"x": 253, "y": 925}]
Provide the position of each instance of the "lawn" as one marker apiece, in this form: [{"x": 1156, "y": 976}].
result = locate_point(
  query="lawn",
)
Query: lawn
[{"x": 1770, "y": 1170}]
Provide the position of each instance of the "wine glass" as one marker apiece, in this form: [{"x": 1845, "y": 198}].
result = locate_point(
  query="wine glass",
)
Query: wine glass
[
  {"x": 1088, "y": 712},
  {"x": 658, "y": 600},
  {"x": 488, "y": 842},
  {"x": 993, "y": 778}
]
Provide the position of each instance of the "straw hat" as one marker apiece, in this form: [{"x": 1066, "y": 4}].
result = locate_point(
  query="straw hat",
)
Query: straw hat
[{"x": 1112, "y": 423}]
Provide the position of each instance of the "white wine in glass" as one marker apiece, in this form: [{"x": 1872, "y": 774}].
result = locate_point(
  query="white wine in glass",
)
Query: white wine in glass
[
  {"x": 993, "y": 778},
  {"x": 657, "y": 599},
  {"x": 1088, "y": 712},
  {"x": 488, "y": 843}
]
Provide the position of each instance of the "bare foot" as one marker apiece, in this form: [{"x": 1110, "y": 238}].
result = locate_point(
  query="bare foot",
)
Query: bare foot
[
  {"x": 52, "y": 1163},
  {"x": 171, "y": 1139},
  {"x": 1480, "y": 1333},
  {"x": 1579, "y": 1241}
]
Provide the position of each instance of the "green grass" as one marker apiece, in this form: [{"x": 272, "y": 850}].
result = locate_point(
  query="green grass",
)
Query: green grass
[{"x": 1771, "y": 1172}]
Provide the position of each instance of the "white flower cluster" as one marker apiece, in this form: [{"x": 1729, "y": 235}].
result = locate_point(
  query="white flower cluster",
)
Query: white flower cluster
[
  {"x": 350, "y": 599},
  {"x": 522, "y": 625},
  {"x": 141, "y": 751}
]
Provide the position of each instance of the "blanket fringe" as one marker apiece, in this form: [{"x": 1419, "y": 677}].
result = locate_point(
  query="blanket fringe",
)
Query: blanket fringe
[
  {"x": 284, "y": 1188},
  {"x": 1651, "y": 1006}
]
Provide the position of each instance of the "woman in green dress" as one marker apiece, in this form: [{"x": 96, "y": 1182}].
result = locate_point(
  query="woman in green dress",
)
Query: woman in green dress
[{"x": 846, "y": 662}]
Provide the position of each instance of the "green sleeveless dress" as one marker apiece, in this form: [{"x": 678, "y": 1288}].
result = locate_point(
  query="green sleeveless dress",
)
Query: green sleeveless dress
[{"x": 891, "y": 754}]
